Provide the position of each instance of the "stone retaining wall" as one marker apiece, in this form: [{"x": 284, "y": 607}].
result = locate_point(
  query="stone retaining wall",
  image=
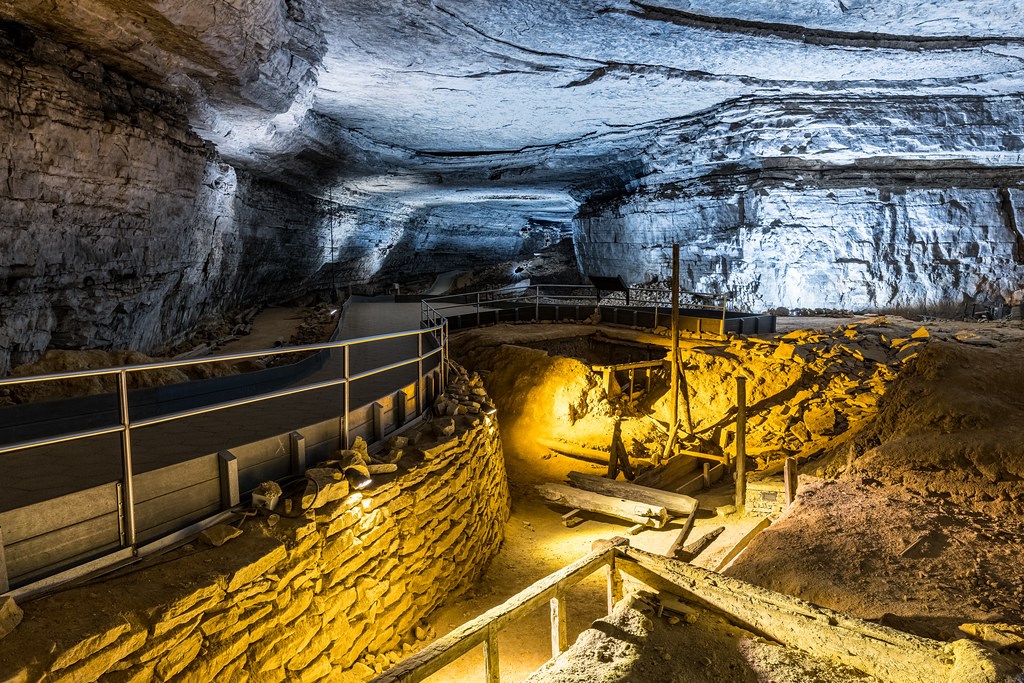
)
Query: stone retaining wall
[{"x": 306, "y": 599}]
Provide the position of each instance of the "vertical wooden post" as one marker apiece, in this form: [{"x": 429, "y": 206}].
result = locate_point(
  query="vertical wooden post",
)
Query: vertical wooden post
[
  {"x": 614, "y": 583},
  {"x": 378, "y": 421},
  {"x": 674, "y": 405},
  {"x": 707, "y": 475},
  {"x": 228, "y": 465},
  {"x": 741, "y": 443},
  {"x": 492, "y": 672},
  {"x": 5, "y": 584},
  {"x": 559, "y": 632},
  {"x": 790, "y": 479},
  {"x": 297, "y": 443}
]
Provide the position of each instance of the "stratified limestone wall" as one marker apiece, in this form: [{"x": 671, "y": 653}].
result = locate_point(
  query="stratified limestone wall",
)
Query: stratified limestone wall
[
  {"x": 837, "y": 203},
  {"x": 119, "y": 227},
  {"x": 303, "y": 600}
]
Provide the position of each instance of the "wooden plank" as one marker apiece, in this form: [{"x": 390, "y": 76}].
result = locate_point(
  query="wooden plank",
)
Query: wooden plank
[
  {"x": 680, "y": 539},
  {"x": 156, "y": 483},
  {"x": 880, "y": 651},
  {"x": 742, "y": 544},
  {"x": 690, "y": 552},
  {"x": 789, "y": 473},
  {"x": 229, "y": 493},
  {"x": 559, "y": 626},
  {"x": 637, "y": 513},
  {"x": 668, "y": 476},
  {"x": 171, "y": 525},
  {"x": 676, "y": 503},
  {"x": 446, "y": 650},
  {"x": 702, "y": 456},
  {"x": 50, "y": 515},
  {"x": 177, "y": 504},
  {"x": 62, "y": 547}
]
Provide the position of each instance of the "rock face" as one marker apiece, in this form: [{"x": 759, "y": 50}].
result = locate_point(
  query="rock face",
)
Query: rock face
[
  {"x": 181, "y": 155},
  {"x": 120, "y": 226},
  {"x": 855, "y": 204}
]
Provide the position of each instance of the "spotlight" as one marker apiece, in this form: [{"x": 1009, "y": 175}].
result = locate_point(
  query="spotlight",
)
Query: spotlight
[{"x": 358, "y": 480}]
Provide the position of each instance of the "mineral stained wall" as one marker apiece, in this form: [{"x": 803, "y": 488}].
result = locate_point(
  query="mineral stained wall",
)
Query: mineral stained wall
[{"x": 855, "y": 203}]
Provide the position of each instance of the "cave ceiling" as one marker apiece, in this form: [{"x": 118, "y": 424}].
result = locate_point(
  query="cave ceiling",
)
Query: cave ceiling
[{"x": 522, "y": 98}]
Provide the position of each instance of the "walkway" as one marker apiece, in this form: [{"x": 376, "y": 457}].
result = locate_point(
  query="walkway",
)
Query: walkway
[{"x": 38, "y": 474}]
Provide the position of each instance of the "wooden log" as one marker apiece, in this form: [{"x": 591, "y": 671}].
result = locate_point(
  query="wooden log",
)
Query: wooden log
[
  {"x": 790, "y": 479},
  {"x": 632, "y": 511},
  {"x": 677, "y": 504},
  {"x": 690, "y": 552},
  {"x": 588, "y": 454}
]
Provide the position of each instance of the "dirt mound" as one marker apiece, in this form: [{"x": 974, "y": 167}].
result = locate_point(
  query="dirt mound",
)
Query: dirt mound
[{"x": 952, "y": 427}]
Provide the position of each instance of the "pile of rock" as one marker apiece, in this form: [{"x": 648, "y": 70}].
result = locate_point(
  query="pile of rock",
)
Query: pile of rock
[
  {"x": 316, "y": 325},
  {"x": 464, "y": 395}
]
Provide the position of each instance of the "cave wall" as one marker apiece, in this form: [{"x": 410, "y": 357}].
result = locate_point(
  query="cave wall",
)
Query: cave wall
[
  {"x": 381, "y": 239},
  {"x": 119, "y": 227},
  {"x": 860, "y": 203}
]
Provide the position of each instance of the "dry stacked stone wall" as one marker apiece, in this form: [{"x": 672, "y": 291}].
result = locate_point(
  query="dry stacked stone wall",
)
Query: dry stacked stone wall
[{"x": 333, "y": 595}]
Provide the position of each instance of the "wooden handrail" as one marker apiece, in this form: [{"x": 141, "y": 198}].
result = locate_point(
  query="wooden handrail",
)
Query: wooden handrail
[{"x": 485, "y": 628}]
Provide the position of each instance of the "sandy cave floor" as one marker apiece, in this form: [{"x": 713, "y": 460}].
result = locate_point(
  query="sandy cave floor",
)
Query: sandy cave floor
[{"x": 922, "y": 561}]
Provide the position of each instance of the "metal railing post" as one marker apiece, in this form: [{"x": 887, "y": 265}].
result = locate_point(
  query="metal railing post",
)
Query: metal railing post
[
  {"x": 478, "y": 309},
  {"x": 348, "y": 398},
  {"x": 127, "y": 489},
  {"x": 724, "y": 297},
  {"x": 419, "y": 374}
]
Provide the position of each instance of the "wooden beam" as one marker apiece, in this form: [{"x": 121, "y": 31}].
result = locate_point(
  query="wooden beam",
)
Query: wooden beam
[
  {"x": 742, "y": 544},
  {"x": 677, "y": 544},
  {"x": 5, "y": 584},
  {"x": 676, "y": 503},
  {"x": 690, "y": 552},
  {"x": 614, "y": 584},
  {"x": 668, "y": 476},
  {"x": 879, "y": 651},
  {"x": 588, "y": 454},
  {"x": 463, "y": 639},
  {"x": 789, "y": 473},
  {"x": 559, "y": 626},
  {"x": 492, "y": 669},
  {"x": 741, "y": 443},
  {"x": 637, "y": 513}
]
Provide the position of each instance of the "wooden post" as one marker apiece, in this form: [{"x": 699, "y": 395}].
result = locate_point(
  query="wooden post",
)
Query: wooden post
[
  {"x": 378, "y": 422},
  {"x": 401, "y": 401},
  {"x": 677, "y": 545},
  {"x": 228, "y": 465},
  {"x": 5, "y": 584},
  {"x": 492, "y": 671},
  {"x": 614, "y": 584},
  {"x": 707, "y": 475},
  {"x": 559, "y": 632},
  {"x": 741, "y": 443},
  {"x": 674, "y": 405},
  {"x": 298, "y": 452},
  {"x": 790, "y": 478}
]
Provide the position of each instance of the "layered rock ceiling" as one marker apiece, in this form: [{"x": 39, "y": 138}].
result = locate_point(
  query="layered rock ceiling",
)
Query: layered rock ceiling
[{"x": 166, "y": 159}]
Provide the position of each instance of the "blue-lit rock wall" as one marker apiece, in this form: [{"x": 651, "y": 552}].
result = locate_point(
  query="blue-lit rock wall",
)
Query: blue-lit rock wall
[{"x": 856, "y": 204}]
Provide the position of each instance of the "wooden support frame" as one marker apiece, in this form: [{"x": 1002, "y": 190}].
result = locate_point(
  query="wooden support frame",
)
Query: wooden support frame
[{"x": 485, "y": 628}]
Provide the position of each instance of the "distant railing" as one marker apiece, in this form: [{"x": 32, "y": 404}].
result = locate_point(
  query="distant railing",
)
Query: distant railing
[
  {"x": 486, "y": 302},
  {"x": 436, "y": 340}
]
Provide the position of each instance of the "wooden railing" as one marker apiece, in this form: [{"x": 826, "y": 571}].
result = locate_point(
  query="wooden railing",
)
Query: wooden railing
[{"x": 485, "y": 628}]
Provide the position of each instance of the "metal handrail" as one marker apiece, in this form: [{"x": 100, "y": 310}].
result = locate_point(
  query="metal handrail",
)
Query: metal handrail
[{"x": 438, "y": 331}]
